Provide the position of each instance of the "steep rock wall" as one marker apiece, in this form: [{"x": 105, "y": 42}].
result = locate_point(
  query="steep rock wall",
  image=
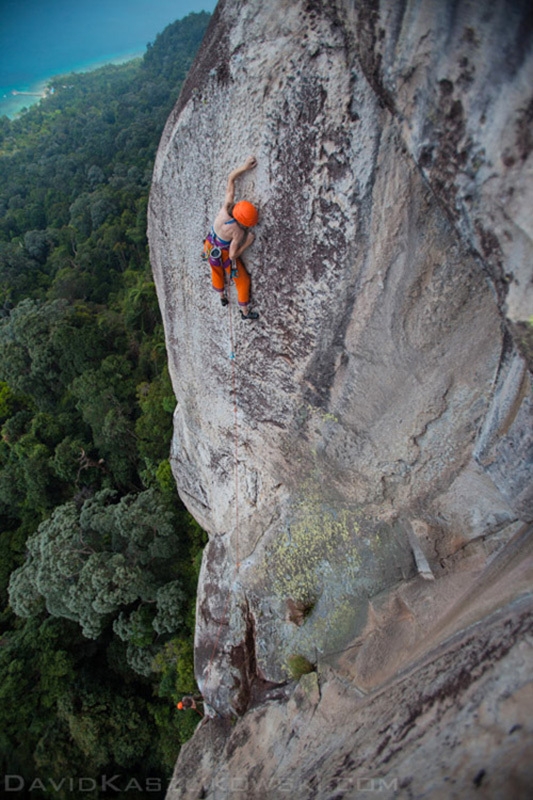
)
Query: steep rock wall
[
  {"x": 375, "y": 423},
  {"x": 457, "y": 727}
]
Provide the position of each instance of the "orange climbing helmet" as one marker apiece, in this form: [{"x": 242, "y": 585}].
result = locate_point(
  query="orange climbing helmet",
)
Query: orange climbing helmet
[{"x": 245, "y": 213}]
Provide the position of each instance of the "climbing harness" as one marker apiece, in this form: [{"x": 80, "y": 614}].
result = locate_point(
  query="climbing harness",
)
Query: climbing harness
[
  {"x": 213, "y": 251},
  {"x": 216, "y": 252}
]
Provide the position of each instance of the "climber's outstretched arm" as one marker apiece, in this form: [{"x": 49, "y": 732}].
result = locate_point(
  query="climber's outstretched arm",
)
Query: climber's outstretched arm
[{"x": 250, "y": 163}]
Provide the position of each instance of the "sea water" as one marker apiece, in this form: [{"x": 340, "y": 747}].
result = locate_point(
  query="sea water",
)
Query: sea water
[
  {"x": 14, "y": 100},
  {"x": 40, "y": 39}
]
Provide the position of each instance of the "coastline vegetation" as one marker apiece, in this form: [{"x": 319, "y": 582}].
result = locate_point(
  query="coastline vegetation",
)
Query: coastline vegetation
[{"x": 99, "y": 559}]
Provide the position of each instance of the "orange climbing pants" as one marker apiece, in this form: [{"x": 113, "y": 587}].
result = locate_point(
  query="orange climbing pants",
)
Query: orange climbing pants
[
  {"x": 221, "y": 265},
  {"x": 241, "y": 279}
]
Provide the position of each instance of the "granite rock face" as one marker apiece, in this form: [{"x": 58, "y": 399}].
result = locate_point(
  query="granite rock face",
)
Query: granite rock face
[
  {"x": 374, "y": 425},
  {"x": 456, "y": 727}
]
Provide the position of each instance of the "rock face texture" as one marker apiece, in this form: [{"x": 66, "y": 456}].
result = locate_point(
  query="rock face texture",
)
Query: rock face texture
[
  {"x": 453, "y": 729},
  {"x": 373, "y": 429}
]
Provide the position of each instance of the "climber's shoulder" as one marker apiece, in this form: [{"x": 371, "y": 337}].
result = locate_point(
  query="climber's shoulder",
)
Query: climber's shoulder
[{"x": 226, "y": 227}]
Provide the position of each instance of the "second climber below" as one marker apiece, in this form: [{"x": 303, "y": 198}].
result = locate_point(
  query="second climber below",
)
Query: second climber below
[{"x": 229, "y": 237}]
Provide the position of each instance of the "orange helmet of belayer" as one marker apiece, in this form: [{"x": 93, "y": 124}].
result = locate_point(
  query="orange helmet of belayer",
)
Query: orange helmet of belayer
[{"x": 245, "y": 213}]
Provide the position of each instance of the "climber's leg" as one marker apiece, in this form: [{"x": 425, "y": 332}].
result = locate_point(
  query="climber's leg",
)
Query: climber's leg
[
  {"x": 242, "y": 282},
  {"x": 217, "y": 278}
]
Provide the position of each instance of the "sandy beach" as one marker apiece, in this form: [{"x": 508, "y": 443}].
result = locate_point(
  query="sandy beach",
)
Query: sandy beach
[{"x": 14, "y": 100}]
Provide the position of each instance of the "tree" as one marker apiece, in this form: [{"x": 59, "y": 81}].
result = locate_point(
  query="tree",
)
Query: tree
[
  {"x": 90, "y": 565},
  {"x": 104, "y": 399},
  {"x": 86, "y": 405},
  {"x": 37, "y": 244},
  {"x": 28, "y": 359}
]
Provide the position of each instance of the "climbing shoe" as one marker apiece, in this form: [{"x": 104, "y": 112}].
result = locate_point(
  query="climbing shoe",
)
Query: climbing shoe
[
  {"x": 250, "y": 315},
  {"x": 224, "y": 301}
]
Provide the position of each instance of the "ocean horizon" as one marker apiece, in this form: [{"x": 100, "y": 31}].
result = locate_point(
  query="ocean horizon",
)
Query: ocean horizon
[
  {"x": 11, "y": 105},
  {"x": 42, "y": 40}
]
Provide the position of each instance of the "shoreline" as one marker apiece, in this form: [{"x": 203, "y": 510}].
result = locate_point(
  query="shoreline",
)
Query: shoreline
[{"x": 13, "y": 100}]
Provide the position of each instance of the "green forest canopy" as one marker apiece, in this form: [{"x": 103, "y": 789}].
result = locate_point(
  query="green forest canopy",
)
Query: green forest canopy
[{"x": 98, "y": 558}]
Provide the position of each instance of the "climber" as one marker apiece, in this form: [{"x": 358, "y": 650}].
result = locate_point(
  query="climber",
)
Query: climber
[
  {"x": 228, "y": 239},
  {"x": 189, "y": 702}
]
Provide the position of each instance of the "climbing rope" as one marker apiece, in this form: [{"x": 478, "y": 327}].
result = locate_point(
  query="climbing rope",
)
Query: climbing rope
[
  {"x": 235, "y": 430},
  {"x": 232, "y": 358}
]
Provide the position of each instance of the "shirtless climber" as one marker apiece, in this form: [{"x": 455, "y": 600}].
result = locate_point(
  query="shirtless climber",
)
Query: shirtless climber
[
  {"x": 228, "y": 239},
  {"x": 190, "y": 702}
]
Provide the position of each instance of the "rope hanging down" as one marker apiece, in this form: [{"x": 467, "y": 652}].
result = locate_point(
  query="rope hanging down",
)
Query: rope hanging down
[
  {"x": 232, "y": 358},
  {"x": 235, "y": 432}
]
